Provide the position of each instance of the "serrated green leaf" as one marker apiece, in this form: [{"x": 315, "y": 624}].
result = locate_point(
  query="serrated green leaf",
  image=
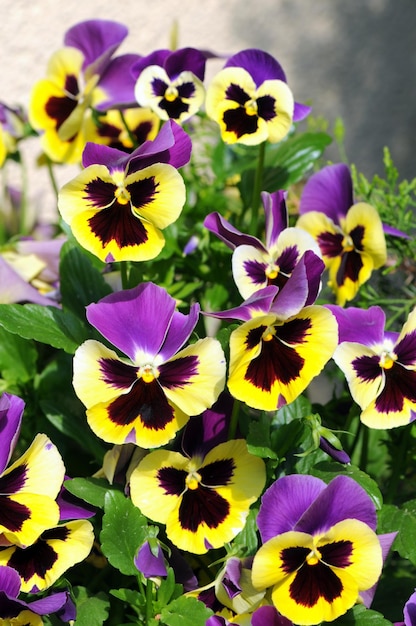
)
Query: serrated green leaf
[
  {"x": 91, "y": 490},
  {"x": 46, "y": 324},
  {"x": 91, "y": 611},
  {"x": 185, "y": 611},
  {"x": 81, "y": 282},
  {"x": 403, "y": 520},
  {"x": 124, "y": 530}
]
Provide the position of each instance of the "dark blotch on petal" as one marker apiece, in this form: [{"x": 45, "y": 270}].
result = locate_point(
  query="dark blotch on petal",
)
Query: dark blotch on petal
[
  {"x": 145, "y": 402},
  {"x": 367, "y": 367},
  {"x": 218, "y": 473},
  {"x": 400, "y": 383},
  {"x": 202, "y": 505},
  {"x": 178, "y": 372},
  {"x": 254, "y": 337},
  {"x": 293, "y": 558},
  {"x": 172, "y": 480},
  {"x": 237, "y": 121},
  {"x": 266, "y": 107},
  {"x": 117, "y": 223},
  {"x": 60, "y": 109},
  {"x": 186, "y": 90},
  {"x": 406, "y": 349},
  {"x": 237, "y": 94},
  {"x": 13, "y": 514},
  {"x": 351, "y": 264},
  {"x": 330, "y": 244},
  {"x": 288, "y": 259},
  {"x": 40, "y": 557},
  {"x": 99, "y": 193},
  {"x": 337, "y": 553},
  {"x": 143, "y": 192},
  {"x": 256, "y": 271},
  {"x": 118, "y": 374},
  {"x": 313, "y": 582},
  {"x": 71, "y": 85},
  {"x": 174, "y": 108},
  {"x": 159, "y": 87},
  {"x": 357, "y": 236},
  {"x": 13, "y": 481}
]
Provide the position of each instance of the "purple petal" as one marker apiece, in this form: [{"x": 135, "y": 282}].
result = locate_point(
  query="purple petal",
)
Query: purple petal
[
  {"x": 185, "y": 59},
  {"x": 9, "y": 581},
  {"x": 97, "y": 40},
  {"x": 172, "y": 145},
  {"x": 259, "y": 64},
  {"x": 342, "y": 498},
  {"x": 367, "y": 596},
  {"x": 231, "y": 578},
  {"x": 179, "y": 331},
  {"x": 284, "y": 503},
  {"x": 301, "y": 111},
  {"x": 260, "y": 302},
  {"x": 328, "y": 191},
  {"x": 410, "y": 611},
  {"x": 365, "y": 326},
  {"x": 14, "y": 289},
  {"x": 269, "y": 615},
  {"x": 276, "y": 215},
  {"x": 334, "y": 453},
  {"x": 231, "y": 236},
  {"x": 395, "y": 232},
  {"x": 98, "y": 154},
  {"x": 71, "y": 507},
  {"x": 149, "y": 564},
  {"x": 118, "y": 83},
  {"x": 11, "y": 411},
  {"x": 204, "y": 432},
  {"x": 134, "y": 319},
  {"x": 59, "y": 603}
]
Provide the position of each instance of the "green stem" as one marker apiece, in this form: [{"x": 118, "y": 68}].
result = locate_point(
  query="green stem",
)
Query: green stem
[
  {"x": 149, "y": 600},
  {"x": 257, "y": 189},
  {"x": 132, "y": 138},
  {"x": 52, "y": 178},
  {"x": 400, "y": 463},
  {"x": 124, "y": 271},
  {"x": 364, "y": 449},
  {"x": 25, "y": 224},
  {"x": 232, "y": 430}
]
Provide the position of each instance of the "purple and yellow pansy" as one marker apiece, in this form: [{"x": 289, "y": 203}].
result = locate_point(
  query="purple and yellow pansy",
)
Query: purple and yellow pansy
[
  {"x": 202, "y": 494},
  {"x": 251, "y": 101},
  {"x": 171, "y": 82},
  {"x": 379, "y": 366},
  {"x": 320, "y": 553},
  {"x": 256, "y": 265},
  {"x": 30, "y": 485},
  {"x": 147, "y": 395},
  {"x": 80, "y": 76},
  {"x": 119, "y": 204},
  {"x": 350, "y": 235}
]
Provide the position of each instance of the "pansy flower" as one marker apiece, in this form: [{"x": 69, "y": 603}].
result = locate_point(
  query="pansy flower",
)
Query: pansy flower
[
  {"x": 29, "y": 486},
  {"x": 52, "y": 554},
  {"x": 124, "y": 130},
  {"x": 350, "y": 235},
  {"x": 119, "y": 204},
  {"x": 171, "y": 82},
  {"x": 202, "y": 494},
  {"x": 25, "y": 613},
  {"x": 80, "y": 76},
  {"x": 11, "y": 130},
  {"x": 282, "y": 344},
  {"x": 380, "y": 367},
  {"x": 409, "y": 612},
  {"x": 147, "y": 395},
  {"x": 251, "y": 101},
  {"x": 256, "y": 265},
  {"x": 320, "y": 551}
]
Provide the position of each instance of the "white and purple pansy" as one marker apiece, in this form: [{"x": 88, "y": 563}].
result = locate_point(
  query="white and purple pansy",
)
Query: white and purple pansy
[
  {"x": 251, "y": 101},
  {"x": 256, "y": 265},
  {"x": 320, "y": 553},
  {"x": 148, "y": 394},
  {"x": 119, "y": 204},
  {"x": 379, "y": 366},
  {"x": 171, "y": 82}
]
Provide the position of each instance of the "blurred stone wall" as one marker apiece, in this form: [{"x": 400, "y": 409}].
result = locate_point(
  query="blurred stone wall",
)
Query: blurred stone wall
[{"x": 354, "y": 59}]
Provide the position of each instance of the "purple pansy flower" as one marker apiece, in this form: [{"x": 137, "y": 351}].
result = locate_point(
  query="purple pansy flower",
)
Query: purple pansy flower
[
  {"x": 149, "y": 559},
  {"x": 256, "y": 265},
  {"x": 320, "y": 552},
  {"x": 171, "y": 82},
  {"x": 380, "y": 366},
  {"x": 250, "y": 100},
  {"x": 146, "y": 396}
]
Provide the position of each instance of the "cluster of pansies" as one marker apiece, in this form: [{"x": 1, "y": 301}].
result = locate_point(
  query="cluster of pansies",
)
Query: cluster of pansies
[{"x": 215, "y": 489}]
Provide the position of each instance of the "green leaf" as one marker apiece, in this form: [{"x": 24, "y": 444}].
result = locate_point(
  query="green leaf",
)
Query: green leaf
[
  {"x": 81, "y": 282},
  {"x": 259, "y": 440},
  {"x": 46, "y": 324},
  {"x": 17, "y": 358},
  {"x": 359, "y": 615},
  {"x": 185, "y": 611},
  {"x": 124, "y": 530},
  {"x": 91, "y": 611},
  {"x": 327, "y": 470},
  {"x": 247, "y": 539},
  {"x": 130, "y": 596},
  {"x": 91, "y": 490},
  {"x": 168, "y": 589},
  {"x": 403, "y": 520}
]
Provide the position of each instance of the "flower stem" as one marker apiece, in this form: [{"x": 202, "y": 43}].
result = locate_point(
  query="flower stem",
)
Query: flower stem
[
  {"x": 132, "y": 138},
  {"x": 257, "y": 189},
  {"x": 52, "y": 178},
  {"x": 149, "y": 600},
  {"x": 124, "y": 272},
  {"x": 232, "y": 430}
]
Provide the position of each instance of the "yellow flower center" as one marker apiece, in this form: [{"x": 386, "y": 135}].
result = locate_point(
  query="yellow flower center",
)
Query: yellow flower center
[
  {"x": 122, "y": 194},
  {"x": 269, "y": 333},
  {"x": 387, "y": 360},
  {"x": 313, "y": 557},
  {"x": 148, "y": 373},
  {"x": 272, "y": 271},
  {"x": 193, "y": 479},
  {"x": 171, "y": 93},
  {"x": 251, "y": 107}
]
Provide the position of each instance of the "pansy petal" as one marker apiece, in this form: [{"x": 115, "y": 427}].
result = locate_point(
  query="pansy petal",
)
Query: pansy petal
[
  {"x": 97, "y": 40},
  {"x": 195, "y": 376},
  {"x": 58, "y": 549},
  {"x": 172, "y": 145},
  {"x": 179, "y": 331},
  {"x": 250, "y": 266},
  {"x": 24, "y": 516},
  {"x": 259, "y": 64},
  {"x": 279, "y": 105},
  {"x": 99, "y": 374},
  {"x": 324, "y": 231},
  {"x": 284, "y": 503},
  {"x": 186, "y": 59},
  {"x": 230, "y": 235},
  {"x": 271, "y": 363},
  {"x": 365, "y": 326},
  {"x": 11, "y": 412},
  {"x": 328, "y": 191},
  {"x": 362, "y": 371},
  {"x": 364, "y": 226},
  {"x": 276, "y": 216},
  {"x": 405, "y": 347},
  {"x": 120, "y": 317},
  {"x": 116, "y": 85}
]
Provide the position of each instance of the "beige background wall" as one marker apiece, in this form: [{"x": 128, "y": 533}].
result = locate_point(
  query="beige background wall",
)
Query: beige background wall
[{"x": 350, "y": 58}]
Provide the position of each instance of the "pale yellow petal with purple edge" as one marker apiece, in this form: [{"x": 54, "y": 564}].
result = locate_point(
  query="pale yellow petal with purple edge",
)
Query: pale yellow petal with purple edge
[
  {"x": 316, "y": 223},
  {"x": 43, "y": 513},
  {"x": 215, "y": 100},
  {"x": 279, "y": 125},
  {"x": 72, "y": 199},
  {"x": 245, "y": 257},
  {"x": 384, "y": 420},
  {"x": 363, "y": 215},
  {"x": 363, "y": 391}
]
